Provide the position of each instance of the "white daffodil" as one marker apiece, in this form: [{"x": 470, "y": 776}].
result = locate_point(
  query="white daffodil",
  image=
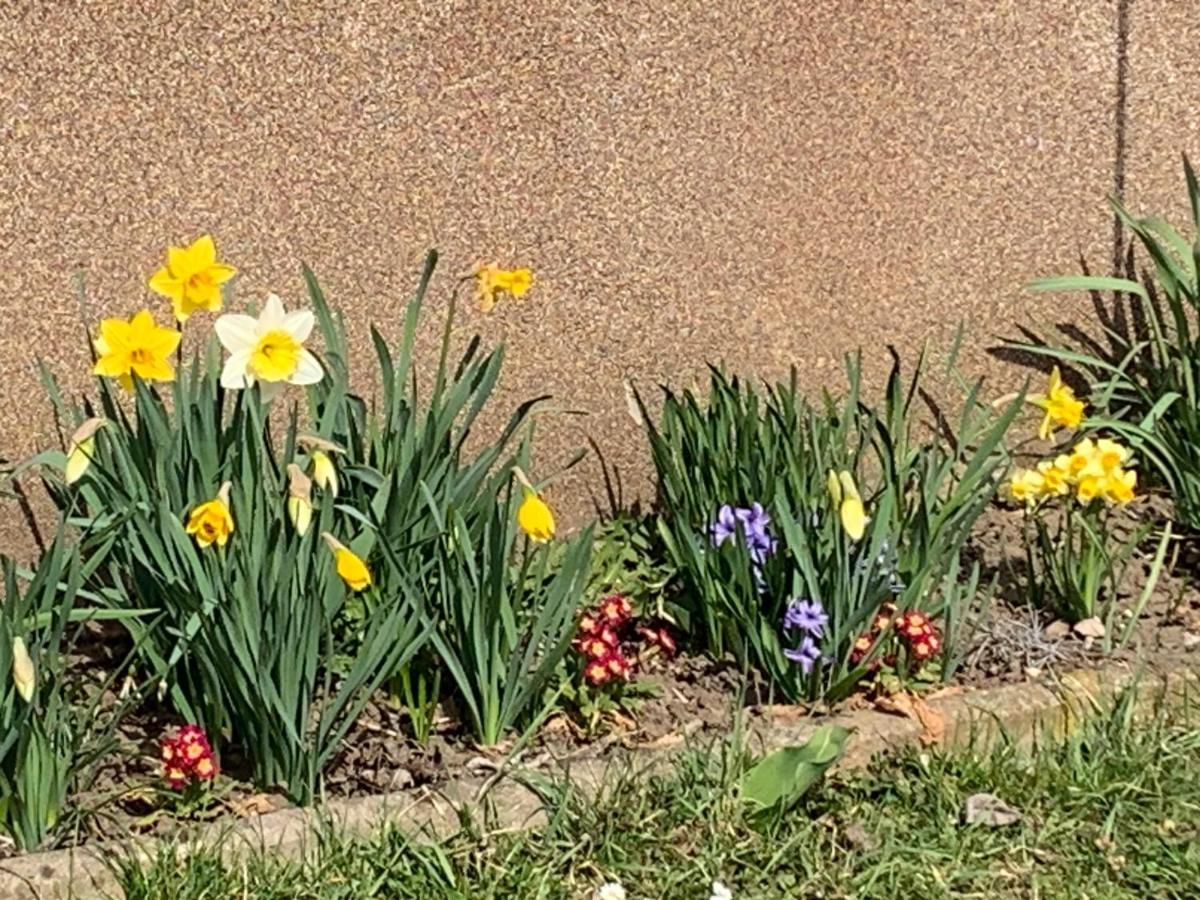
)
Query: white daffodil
[{"x": 268, "y": 350}]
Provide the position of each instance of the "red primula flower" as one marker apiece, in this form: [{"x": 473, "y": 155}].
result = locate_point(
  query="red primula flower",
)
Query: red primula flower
[{"x": 187, "y": 757}]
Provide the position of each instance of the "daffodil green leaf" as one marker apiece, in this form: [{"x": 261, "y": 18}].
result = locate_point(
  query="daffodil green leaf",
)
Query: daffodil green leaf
[{"x": 1086, "y": 283}]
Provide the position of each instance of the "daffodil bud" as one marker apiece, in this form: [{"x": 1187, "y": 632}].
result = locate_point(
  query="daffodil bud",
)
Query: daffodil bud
[
  {"x": 81, "y": 449},
  {"x": 533, "y": 515},
  {"x": 350, "y": 566},
  {"x": 299, "y": 501},
  {"x": 22, "y": 670},
  {"x": 852, "y": 513},
  {"x": 834, "y": 487},
  {"x": 324, "y": 473}
]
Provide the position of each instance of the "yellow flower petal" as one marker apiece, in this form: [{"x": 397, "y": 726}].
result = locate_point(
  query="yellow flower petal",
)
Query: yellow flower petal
[
  {"x": 350, "y": 567},
  {"x": 535, "y": 518},
  {"x": 854, "y": 517}
]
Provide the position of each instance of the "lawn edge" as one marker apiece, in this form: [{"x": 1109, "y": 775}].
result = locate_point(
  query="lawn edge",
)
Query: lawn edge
[{"x": 1048, "y": 708}]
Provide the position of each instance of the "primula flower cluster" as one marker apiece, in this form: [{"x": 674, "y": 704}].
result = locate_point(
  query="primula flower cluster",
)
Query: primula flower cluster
[
  {"x": 187, "y": 757},
  {"x": 879, "y": 626},
  {"x": 916, "y": 632},
  {"x": 805, "y": 619},
  {"x": 919, "y": 635},
  {"x": 602, "y": 640},
  {"x": 1093, "y": 469}
]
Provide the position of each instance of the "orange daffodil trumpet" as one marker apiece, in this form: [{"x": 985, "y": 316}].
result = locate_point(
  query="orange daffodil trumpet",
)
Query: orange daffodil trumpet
[
  {"x": 80, "y": 449},
  {"x": 212, "y": 522},
  {"x": 268, "y": 351},
  {"x": 299, "y": 502},
  {"x": 1062, "y": 408},
  {"x": 192, "y": 278},
  {"x": 136, "y": 347},
  {"x": 350, "y": 566},
  {"x": 491, "y": 281},
  {"x": 533, "y": 515}
]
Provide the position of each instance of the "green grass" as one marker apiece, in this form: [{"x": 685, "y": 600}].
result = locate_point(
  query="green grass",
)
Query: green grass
[{"x": 1115, "y": 812}]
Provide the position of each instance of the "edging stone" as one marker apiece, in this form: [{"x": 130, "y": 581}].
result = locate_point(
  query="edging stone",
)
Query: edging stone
[{"x": 1025, "y": 713}]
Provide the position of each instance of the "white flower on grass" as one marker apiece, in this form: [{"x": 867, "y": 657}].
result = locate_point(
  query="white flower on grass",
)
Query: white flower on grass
[
  {"x": 720, "y": 892},
  {"x": 268, "y": 350},
  {"x": 610, "y": 891}
]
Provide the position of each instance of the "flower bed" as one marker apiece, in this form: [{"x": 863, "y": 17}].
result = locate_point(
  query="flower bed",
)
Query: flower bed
[{"x": 265, "y": 588}]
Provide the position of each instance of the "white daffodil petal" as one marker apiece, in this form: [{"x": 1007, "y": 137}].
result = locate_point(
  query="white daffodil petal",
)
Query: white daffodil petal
[
  {"x": 234, "y": 375},
  {"x": 272, "y": 315},
  {"x": 236, "y": 332},
  {"x": 299, "y": 324},
  {"x": 308, "y": 370}
]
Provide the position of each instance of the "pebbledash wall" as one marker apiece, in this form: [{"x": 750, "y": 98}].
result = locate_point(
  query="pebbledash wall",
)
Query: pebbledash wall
[{"x": 763, "y": 182}]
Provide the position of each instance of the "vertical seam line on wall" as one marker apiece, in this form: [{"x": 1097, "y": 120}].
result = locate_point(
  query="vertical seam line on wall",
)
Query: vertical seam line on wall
[{"x": 1120, "y": 117}]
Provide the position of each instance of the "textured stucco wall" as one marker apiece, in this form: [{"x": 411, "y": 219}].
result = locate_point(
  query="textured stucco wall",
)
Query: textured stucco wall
[{"x": 758, "y": 181}]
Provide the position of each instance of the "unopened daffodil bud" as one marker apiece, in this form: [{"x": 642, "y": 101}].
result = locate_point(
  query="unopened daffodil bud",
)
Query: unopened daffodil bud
[
  {"x": 22, "y": 670},
  {"x": 324, "y": 473},
  {"x": 853, "y": 514},
  {"x": 533, "y": 515},
  {"x": 299, "y": 501},
  {"x": 350, "y": 566},
  {"x": 834, "y": 487},
  {"x": 81, "y": 449}
]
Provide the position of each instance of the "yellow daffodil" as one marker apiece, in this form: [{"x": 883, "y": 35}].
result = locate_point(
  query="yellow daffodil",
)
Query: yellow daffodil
[
  {"x": 1056, "y": 481},
  {"x": 1061, "y": 406},
  {"x": 1110, "y": 455},
  {"x": 212, "y": 522},
  {"x": 1118, "y": 486},
  {"x": 23, "y": 675},
  {"x": 491, "y": 281},
  {"x": 268, "y": 350},
  {"x": 533, "y": 515},
  {"x": 350, "y": 567},
  {"x": 1026, "y": 485},
  {"x": 192, "y": 278},
  {"x": 137, "y": 347},
  {"x": 853, "y": 514},
  {"x": 299, "y": 502},
  {"x": 80, "y": 449},
  {"x": 1081, "y": 458},
  {"x": 324, "y": 472}
]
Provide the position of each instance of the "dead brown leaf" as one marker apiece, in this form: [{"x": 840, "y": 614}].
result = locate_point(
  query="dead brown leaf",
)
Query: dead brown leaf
[
  {"x": 932, "y": 722},
  {"x": 253, "y": 805},
  {"x": 782, "y": 711}
]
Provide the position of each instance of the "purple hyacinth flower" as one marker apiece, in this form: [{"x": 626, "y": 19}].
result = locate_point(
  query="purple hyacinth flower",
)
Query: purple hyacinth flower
[
  {"x": 806, "y": 655},
  {"x": 806, "y": 615},
  {"x": 725, "y": 526}
]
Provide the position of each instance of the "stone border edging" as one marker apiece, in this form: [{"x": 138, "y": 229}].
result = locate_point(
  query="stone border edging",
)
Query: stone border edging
[{"x": 1025, "y": 712}]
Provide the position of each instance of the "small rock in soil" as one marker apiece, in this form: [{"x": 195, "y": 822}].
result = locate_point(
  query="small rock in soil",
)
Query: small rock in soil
[
  {"x": 860, "y": 839},
  {"x": 1057, "y": 630},
  {"x": 1191, "y": 640},
  {"x": 1089, "y": 628},
  {"x": 989, "y": 810}
]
